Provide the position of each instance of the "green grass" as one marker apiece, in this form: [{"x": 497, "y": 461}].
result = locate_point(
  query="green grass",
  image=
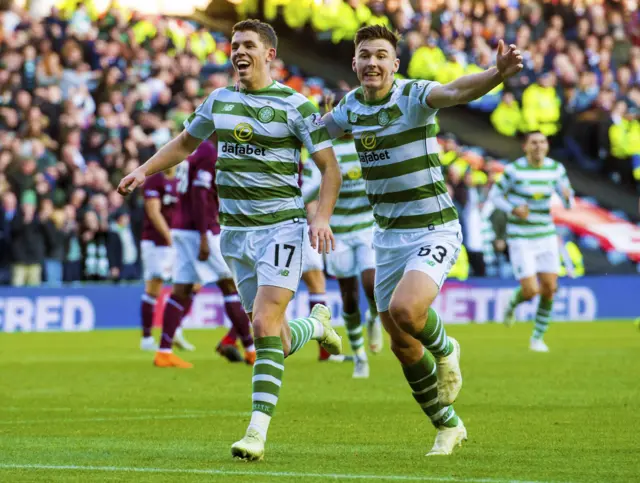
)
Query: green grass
[{"x": 92, "y": 399}]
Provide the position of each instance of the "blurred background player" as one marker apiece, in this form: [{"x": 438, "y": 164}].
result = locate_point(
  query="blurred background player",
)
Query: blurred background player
[
  {"x": 524, "y": 192},
  {"x": 352, "y": 224},
  {"x": 313, "y": 265},
  {"x": 160, "y": 199},
  {"x": 196, "y": 235}
]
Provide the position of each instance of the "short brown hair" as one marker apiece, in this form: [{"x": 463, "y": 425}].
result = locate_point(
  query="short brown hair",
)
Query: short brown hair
[
  {"x": 264, "y": 30},
  {"x": 373, "y": 32}
]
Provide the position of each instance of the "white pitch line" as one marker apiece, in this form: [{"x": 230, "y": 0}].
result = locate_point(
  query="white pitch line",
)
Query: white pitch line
[
  {"x": 124, "y": 418},
  {"x": 277, "y": 474}
]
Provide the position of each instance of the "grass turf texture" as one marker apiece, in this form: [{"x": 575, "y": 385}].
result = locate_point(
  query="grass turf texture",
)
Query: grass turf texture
[{"x": 93, "y": 399}]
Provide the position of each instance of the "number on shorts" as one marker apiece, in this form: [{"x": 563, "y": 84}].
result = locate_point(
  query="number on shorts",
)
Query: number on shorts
[
  {"x": 438, "y": 257},
  {"x": 291, "y": 249}
]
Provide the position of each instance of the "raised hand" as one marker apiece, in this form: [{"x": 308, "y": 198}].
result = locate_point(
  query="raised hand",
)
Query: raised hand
[{"x": 508, "y": 62}]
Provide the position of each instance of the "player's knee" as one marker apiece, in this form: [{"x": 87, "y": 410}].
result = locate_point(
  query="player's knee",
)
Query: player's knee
[
  {"x": 530, "y": 292},
  {"x": 548, "y": 290},
  {"x": 153, "y": 287},
  {"x": 181, "y": 291},
  {"x": 404, "y": 314},
  {"x": 406, "y": 352}
]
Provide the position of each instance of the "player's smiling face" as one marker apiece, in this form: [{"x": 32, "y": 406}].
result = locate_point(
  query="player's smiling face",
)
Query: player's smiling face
[
  {"x": 250, "y": 57},
  {"x": 536, "y": 147},
  {"x": 375, "y": 64}
]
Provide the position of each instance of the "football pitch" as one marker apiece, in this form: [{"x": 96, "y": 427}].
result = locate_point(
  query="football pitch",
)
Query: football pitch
[{"x": 77, "y": 407}]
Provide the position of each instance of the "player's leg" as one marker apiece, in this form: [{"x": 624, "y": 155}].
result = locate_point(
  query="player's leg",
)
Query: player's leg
[
  {"x": 313, "y": 277},
  {"x": 316, "y": 285},
  {"x": 411, "y": 311},
  {"x": 522, "y": 255},
  {"x": 548, "y": 287},
  {"x": 179, "y": 339},
  {"x": 366, "y": 264},
  {"x": 152, "y": 275},
  {"x": 152, "y": 289},
  {"x": 341, "y": 263},
  {"x": 238, "y": 317},
  {"x": 174, "y": 311},
  {"x": 274, "y": 339},
  {"x": 419, "y": 369},
  {"x": 176, "y": 307},
  {"x": 350, "y": 294},
  {"x": 374, "y": 325},
  {"x": 548, "y": 264},
  {"x": 277, "y": 257}
]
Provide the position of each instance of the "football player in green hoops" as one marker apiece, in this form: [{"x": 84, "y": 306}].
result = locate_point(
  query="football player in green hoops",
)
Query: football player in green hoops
[
  {"x": 417, "y": 236},
  {"x": 261, "y": 127}
]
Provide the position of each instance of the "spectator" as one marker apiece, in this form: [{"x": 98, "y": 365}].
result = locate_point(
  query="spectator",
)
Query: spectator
[
  {"x": 72, "y": 268},
  {"x": 624, "y": 138},
  {"x": 93, "y": 244},
  {"x": 7, "y": 214},
  {"x": 123, "y": 248},
  {"x": 541, "y": 106},
  {"x": 27, "y": 243},
  {"x": 507, "y": 117},
  {"x": 55, "y": 241}
]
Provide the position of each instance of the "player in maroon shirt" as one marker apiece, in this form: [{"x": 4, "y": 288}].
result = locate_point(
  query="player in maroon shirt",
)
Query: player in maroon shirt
[
  {"x": 160, "y": 199},
  {"x": 196, "y": 237}
]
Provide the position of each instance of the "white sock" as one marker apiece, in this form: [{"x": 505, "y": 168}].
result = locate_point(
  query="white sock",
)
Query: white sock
[
  {"x": 251, "y": 348},
  {"x": 318, "y": 329},
  {"x": 260, "y": 422},
  {"x": 361, "y": 354}
]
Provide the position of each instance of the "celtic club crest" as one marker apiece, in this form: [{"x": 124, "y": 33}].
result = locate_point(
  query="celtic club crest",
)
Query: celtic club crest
[{"x": 266, "y": 114}]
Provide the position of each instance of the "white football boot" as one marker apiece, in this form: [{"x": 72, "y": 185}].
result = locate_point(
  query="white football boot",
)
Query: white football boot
[
  {"x": 148, "y": 344},
  {"x": 447, "y": 439},
  {"x": 181, "y": 342},
  {"x": 249, "y": 448},
  {"x": 538, "y": 345}
]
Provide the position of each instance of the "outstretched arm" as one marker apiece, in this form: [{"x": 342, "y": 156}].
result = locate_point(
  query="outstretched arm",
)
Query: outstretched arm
[
  {"x": 172, "y": 153},
  {"x": 473, "y": 86}
]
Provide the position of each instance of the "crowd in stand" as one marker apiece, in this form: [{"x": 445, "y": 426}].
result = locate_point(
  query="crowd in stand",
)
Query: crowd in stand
[
  {"x": 580, "y": 84},
  {"x": 85, "y": 98},
  {"x": 83, "y": 101}
]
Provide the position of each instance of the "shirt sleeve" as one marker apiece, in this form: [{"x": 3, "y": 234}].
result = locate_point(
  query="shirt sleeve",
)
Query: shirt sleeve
[
  {"x": 340, "y": 115},
  {"x": 420, "y": 90},
  {"x": 152, "y": 188},
  {"x": 310, "y": 128},
  {"x": 562, "y": 184},
  {"x": 200, "y": 124}
]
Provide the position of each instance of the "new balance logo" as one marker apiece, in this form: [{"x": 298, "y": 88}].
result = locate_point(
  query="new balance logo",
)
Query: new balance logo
[{"x": 227, "y": 108}]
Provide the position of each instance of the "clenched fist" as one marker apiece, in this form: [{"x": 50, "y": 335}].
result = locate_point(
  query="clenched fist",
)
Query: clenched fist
[{"x": 131, "y": 181}]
